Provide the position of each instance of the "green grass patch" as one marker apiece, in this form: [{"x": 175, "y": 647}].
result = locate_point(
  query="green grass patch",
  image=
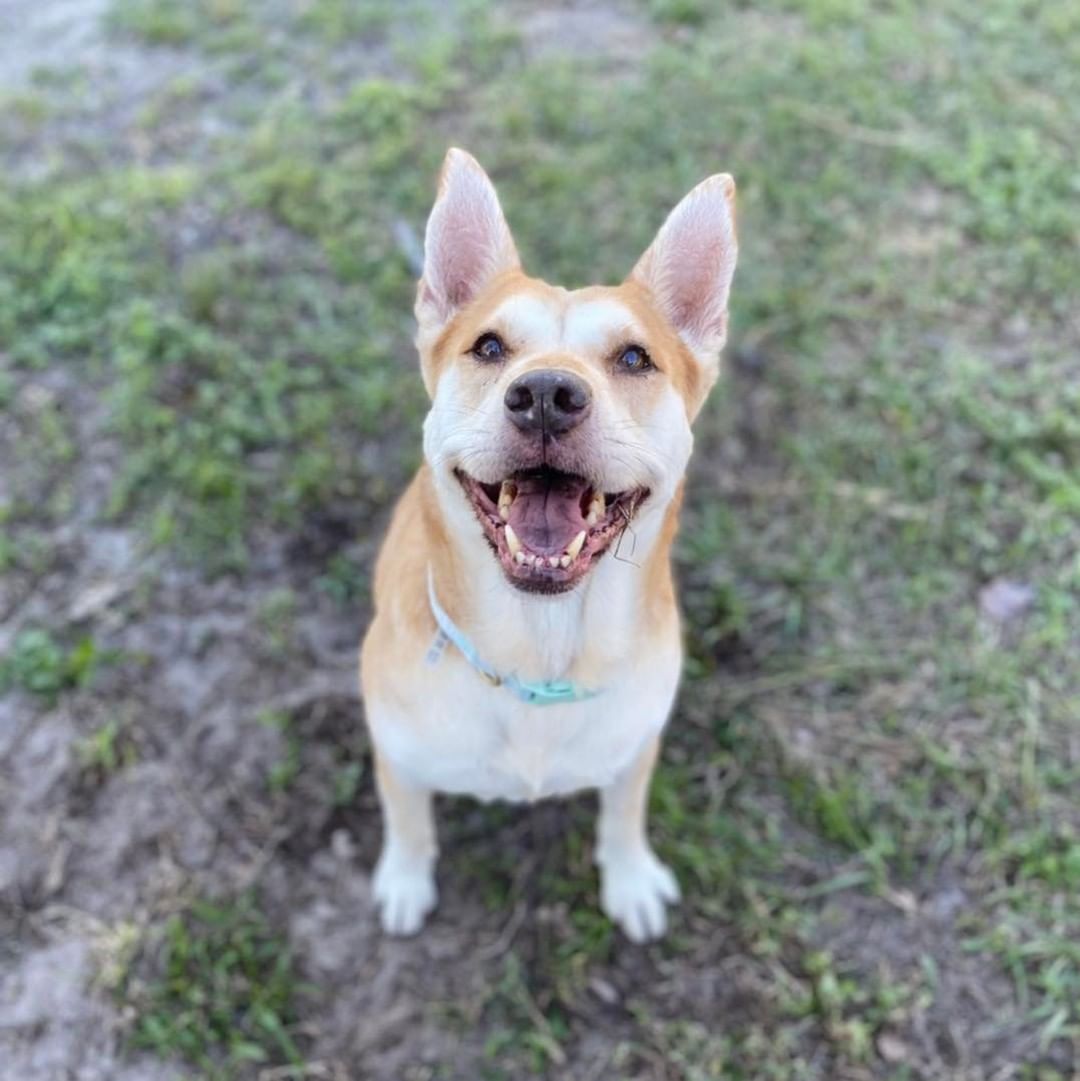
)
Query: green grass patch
[
  {"x": 107, "y": 750},
  {"x": 38, "y": 662},
  {"x": 224, "y": 995},
  {"x": 175, "y": 23}
]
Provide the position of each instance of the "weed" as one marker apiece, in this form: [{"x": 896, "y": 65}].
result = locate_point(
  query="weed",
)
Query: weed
[
  {"x": 38, "y": 663},
  {"x": 276, "y": 616},
  {"x": 108, "y": 749},
  {"x": 283, "y": 772},
  {"x": 224, "y": 995},
  {"x": 172, "y": 22},
  {"x": 344, "y": 580},
  {"x": 346, "y": 783}
]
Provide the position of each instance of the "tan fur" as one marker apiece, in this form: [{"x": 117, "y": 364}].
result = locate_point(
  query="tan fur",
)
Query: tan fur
[
  {"x": 668, "y": 350},
  {"x": 426, "y": 720}
]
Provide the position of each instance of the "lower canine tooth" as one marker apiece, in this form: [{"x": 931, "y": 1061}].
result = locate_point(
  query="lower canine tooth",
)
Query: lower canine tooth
[
  {"x": 512, "y": 542},
  {"x": 575, "y": 545}
]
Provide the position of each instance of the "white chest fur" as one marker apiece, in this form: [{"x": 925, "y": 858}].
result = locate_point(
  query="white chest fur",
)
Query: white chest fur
[
  {"x": 456, "y": 733},
  {"x": 446, "y": 727}
]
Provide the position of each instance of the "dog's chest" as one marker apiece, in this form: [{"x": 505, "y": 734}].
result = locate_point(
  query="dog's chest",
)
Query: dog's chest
[{"x": 461, "y": 735}]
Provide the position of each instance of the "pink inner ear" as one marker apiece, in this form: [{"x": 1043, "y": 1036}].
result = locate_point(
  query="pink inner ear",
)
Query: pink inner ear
[
  {"x": 696, "y": 271},
  {"x": 467, "y": 240},
  {"x": 690, "y": 264}
]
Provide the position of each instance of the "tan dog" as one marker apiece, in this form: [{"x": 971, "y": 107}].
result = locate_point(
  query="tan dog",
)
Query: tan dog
[{"x": 526, "y": 637}]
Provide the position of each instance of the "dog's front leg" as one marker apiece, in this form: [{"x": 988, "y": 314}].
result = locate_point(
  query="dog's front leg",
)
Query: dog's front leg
[
  {"x": 635, "y": 886},
  {"x": 404, "y": 880}
]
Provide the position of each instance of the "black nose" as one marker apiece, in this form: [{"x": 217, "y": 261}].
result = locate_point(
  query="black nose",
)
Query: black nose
[{"x": 547, "y": 401}]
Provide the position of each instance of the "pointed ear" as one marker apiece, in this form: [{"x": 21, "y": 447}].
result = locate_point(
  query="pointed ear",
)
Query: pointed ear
[
  {"x": 689, "y": 266},
  {"x": 467, "y": 241}
]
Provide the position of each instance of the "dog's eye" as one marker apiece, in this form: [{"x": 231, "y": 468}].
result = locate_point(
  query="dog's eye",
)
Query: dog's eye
[
  {"x": 488, "y": 347},
  {"x": 634, "y": 359}
]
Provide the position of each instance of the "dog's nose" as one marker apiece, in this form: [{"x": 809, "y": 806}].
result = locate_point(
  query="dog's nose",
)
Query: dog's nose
[{"x": 547, "y": 401}]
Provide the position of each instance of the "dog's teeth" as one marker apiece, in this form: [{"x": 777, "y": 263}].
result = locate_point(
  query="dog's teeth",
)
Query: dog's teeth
[
  {"x": 596, "y": 509},
  {"x": 519, "y": 557},
  {"x": 553, "y": 561},
  {"x": 512, "y": 542},
  {"x": 507, "y": 493},
  {"x": 530, "y": 559},
  {"x": 574, "y": 547},
  {"x": 565, "y": 561}
]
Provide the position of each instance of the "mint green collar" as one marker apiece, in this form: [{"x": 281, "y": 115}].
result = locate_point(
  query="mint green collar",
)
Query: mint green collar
[{"x": 550, "y": 692}]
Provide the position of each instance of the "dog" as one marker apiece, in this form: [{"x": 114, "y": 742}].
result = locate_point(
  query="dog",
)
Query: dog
[{"x": 525, "y": 641}]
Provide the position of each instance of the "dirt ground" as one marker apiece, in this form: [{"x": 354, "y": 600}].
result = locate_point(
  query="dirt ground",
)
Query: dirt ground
[{"x": 219, "y": 679}]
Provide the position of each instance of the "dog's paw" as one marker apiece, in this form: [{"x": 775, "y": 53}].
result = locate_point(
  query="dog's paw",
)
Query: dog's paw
[
  {"x": 635, "y": 889},
  {"x": 405, "y": 893}
]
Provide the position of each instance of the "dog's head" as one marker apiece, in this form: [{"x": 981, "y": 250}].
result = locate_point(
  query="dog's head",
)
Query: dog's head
[{"x": 557, "y": 414}]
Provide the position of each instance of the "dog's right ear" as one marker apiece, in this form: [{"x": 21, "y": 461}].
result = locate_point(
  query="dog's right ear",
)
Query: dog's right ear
[{"x": 466, "y": 244}]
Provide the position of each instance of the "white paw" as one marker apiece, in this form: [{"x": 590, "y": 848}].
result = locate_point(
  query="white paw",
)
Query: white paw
[
  {"x": 405, "y": 893},
  {"x": 635, "y": 888}
]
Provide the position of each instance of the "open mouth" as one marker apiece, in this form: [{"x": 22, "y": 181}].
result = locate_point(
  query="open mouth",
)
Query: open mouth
[{"x": 547, "y": 527}]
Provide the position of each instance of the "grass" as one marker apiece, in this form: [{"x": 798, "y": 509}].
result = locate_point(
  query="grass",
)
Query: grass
[
  {"x": 223, "y": 995},
  {"x": 38, "y": 663},
  {"x": 898, "y": 430},
  {"x": 284, "y": 771},
  {"x": 108, "y": 749}
]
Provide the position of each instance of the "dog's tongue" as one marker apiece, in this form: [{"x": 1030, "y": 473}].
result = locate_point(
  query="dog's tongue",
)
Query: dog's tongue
[{"x": 546, "y": 512}]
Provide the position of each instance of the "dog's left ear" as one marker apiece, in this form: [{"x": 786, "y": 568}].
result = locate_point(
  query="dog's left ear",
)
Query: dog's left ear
[
  {"x": 689, "y": 266},
  {"x": 466, "y": 244}
]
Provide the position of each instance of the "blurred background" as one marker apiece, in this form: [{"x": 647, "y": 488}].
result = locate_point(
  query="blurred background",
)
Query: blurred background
[{"x": 209, "y": 222}]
